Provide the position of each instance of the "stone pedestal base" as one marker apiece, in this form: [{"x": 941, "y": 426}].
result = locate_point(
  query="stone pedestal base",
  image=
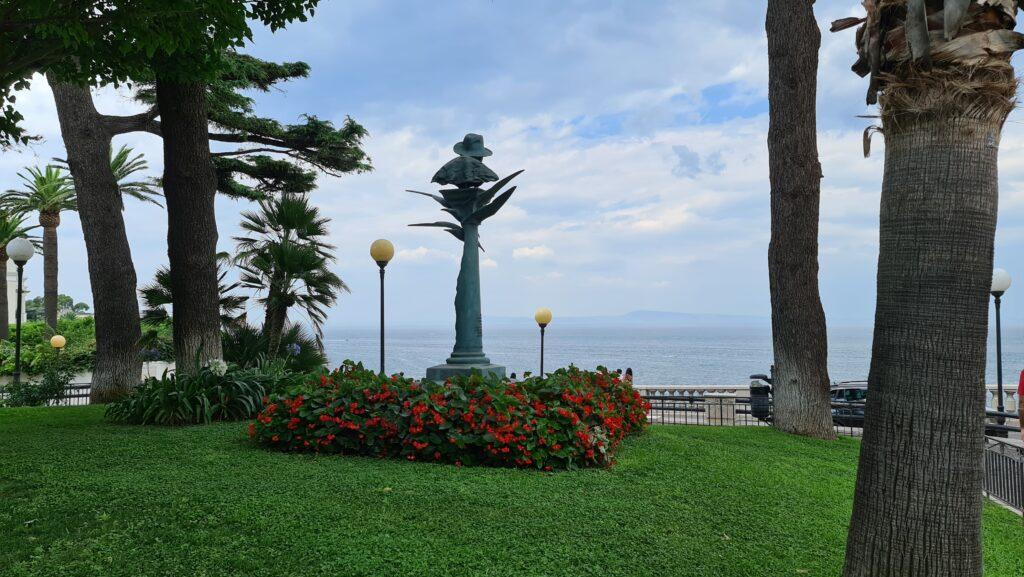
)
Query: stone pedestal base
[
  {"x": 720, "y": 408},
  {"x": 441, "y": 373}
]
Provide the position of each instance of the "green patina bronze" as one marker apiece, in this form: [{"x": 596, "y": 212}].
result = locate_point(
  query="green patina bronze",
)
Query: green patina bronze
[{"x": 470, "y": 205}]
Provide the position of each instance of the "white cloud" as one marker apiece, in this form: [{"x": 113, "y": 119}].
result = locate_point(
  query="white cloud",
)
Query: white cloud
[
  {"x": 539, "y": 251},
  {"x": 423, "y": 254}
]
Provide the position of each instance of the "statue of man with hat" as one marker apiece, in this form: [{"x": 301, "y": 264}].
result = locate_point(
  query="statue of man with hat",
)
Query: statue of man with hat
[{"x": 470, "y": 205}]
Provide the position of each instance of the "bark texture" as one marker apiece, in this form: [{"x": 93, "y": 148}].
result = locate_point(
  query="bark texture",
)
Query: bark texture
[
  {"x": 917, "y": 507},
  {"x": 801, "y": 385},
  {"x": 50, "y": 221},
  {"x": 190, "y": 186},
  {"x": 111, "y": 272},
  {"x": 274, "y": 320}
]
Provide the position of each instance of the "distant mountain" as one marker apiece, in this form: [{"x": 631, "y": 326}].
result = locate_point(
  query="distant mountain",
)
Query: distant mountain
[{"x": 644, "y": 319}]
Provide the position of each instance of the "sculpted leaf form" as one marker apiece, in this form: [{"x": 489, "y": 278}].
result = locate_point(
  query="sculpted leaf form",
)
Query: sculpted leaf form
[
  {"x": 490, "y": 192},
  {"x": 489, "y": 210},
  {"x": 440, "y": 199}
]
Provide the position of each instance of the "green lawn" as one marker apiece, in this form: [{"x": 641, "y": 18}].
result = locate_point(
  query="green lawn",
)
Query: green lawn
[{"x": 80, "y": 497}]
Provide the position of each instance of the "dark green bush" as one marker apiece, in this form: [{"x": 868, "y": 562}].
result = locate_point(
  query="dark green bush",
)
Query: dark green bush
[
  {"x": 246, "y": 346},
  {"x": 52, "y": 387},
  {"x": 201, "y": 398}
]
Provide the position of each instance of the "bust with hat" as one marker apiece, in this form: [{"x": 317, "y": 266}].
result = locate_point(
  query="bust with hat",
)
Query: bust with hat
[{"x": 467, "y": 169}]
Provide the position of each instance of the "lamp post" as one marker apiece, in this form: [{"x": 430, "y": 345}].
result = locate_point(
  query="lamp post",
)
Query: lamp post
[
  {"x": 382, "y": 251},
  {"x": 1000, "y": 283},
  {"x": 543, "y": 317},
  {"x": 20, "y": 250}
]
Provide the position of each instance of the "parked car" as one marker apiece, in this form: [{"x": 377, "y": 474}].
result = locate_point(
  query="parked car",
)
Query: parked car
[{"x": 848, "y": 400}]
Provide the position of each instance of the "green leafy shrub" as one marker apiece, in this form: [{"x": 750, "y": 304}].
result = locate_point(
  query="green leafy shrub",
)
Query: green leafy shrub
[
  {"x": 51, "y": 388},
  {"x": 246, "y": 346},
  {"x": 78, "y": 356},
  {"x": 568, "y": 419},
  {"x": 203, "y": 397}
]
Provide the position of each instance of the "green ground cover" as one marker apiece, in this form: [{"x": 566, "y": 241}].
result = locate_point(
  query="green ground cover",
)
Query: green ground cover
[{"x": 82, "y": 497}]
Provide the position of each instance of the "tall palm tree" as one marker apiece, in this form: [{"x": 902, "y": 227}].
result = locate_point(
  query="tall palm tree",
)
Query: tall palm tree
[
  {"x": 49, "y": 192},
  {"x": 286, "y": 257},
  {"x": 12, "y": 226},
  {"x": 801, "y": 383},
  {"x": 940, "y": 72}
]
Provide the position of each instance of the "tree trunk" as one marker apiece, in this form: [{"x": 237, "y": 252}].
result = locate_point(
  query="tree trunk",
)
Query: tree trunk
[
  {"x": 111, "y": 272},
  {"x": 190, "y": 186},
  {"x": 50, "y": 222},
  {"x": 917, "y": 508},
  {"x": 273, "y": 326},
  {"x": 801, "y": 383}
]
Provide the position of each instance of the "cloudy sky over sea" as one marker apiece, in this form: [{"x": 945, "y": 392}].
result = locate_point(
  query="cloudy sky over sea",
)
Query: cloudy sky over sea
[{"x": 641, "y": 126}]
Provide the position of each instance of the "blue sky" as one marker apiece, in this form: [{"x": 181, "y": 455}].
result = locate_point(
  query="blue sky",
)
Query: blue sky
[{"x": 641, "y": 126}]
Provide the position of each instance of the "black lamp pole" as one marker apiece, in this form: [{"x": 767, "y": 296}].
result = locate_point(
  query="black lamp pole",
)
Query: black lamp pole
[
  {"x": 382, "y": 264},
  {"x": 542, "y": 326},
  {"x": 999, "y": 360},
  {"x": 17, "y": 323}
]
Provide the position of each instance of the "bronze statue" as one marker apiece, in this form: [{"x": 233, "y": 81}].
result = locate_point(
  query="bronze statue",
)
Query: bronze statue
[{"x": 469, "y": 205}]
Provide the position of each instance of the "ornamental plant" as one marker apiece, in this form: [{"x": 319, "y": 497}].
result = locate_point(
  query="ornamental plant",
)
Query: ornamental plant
[
  {"x": 213, "y": 393},
  {"x": 569, "y": 419}
]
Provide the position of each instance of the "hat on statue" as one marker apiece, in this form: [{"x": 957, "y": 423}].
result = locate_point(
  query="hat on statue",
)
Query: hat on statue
[{"x": 471, "y": 145}]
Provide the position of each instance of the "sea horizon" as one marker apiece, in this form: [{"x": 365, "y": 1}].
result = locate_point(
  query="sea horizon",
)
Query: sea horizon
[{"x": 658, "y": 355}]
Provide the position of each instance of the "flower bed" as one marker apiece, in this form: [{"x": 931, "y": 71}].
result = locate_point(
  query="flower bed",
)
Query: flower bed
[{"x": 569, "y": 419}]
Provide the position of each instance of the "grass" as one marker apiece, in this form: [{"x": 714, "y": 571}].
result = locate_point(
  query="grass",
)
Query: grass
[{"x": 80, "y": 497}]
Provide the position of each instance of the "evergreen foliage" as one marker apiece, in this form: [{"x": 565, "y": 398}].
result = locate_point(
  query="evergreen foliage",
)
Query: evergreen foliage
[{"x": 271, "y": 157}]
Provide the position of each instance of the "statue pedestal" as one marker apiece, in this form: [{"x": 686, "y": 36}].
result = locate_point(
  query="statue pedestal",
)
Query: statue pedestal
[{"x": 441, "y": 373}]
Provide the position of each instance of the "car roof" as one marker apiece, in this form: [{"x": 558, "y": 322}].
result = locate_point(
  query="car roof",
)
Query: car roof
[{"x": 850, "y": 385}]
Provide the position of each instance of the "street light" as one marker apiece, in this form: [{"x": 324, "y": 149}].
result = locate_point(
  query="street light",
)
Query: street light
[
  {"x": 1000, "y": 283},
  {"x": 382, "y": 251},
  {"x": 20, "y": 250},
  {"x": 543, "y": 317},
  {"x": 58, "y": 342}
]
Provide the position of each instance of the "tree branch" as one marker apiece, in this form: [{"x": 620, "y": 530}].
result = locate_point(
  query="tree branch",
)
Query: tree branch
[
  {"x": 134, "y": 123},
  {"x": 242, "y": 151}
]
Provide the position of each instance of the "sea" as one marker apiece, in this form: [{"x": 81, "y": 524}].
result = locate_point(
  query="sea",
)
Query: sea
[{"x": 658, "y": 355}]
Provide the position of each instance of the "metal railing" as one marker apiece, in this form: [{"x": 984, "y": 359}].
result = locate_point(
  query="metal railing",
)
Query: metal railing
[
  {"x": 1004, "y": 472},
  {"x": 730, "y": 410},
  {"x": 76, "y": 394}
]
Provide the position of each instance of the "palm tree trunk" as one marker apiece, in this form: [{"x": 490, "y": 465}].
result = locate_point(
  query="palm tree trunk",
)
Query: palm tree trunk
[
  {"x": 801, "y": 384},
  {"x": 917, "y": 508},
  {"x": 50, "y": 269},
  {"x": 190, "y": 186},
  {"x": 111, "y": 272},
  {"x": 273, "y": 327},
  {"x": 5, "y": 315}
]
